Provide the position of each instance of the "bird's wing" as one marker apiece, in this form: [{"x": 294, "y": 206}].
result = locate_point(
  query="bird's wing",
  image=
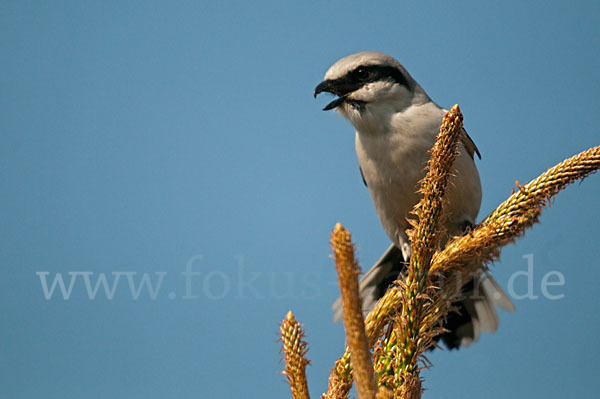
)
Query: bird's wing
[
  {"x": 362, "y": 175},
  {"x": 469, "y": 144}
]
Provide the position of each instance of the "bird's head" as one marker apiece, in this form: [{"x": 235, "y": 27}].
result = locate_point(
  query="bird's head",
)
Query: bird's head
[{"x": 370, "y": 86}]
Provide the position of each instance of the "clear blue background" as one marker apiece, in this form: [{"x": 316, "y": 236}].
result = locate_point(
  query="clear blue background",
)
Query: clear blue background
[{"x": 137, "y": 135}]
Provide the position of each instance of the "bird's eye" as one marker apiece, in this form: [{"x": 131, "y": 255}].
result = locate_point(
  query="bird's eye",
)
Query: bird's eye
[{"x": 361, "y": 73}]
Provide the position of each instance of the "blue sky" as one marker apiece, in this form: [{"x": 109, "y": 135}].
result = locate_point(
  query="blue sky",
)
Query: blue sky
[{"x": 150, "y": 138}]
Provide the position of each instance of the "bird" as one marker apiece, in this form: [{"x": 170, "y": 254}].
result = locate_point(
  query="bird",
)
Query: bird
[{"x": 396, "y": 125}]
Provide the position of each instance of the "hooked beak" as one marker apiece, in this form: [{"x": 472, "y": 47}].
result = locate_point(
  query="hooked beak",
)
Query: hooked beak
[{"x": 334, "y": 87}]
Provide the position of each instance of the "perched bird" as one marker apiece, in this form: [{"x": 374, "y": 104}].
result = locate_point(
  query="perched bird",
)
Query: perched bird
[{"x": 396, "y": 125}]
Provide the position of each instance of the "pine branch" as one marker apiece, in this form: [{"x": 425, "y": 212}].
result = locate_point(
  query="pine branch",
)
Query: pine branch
[
  {"x": 414, "y": 324},
  {"x": 295, "y": 351},
  {"x": 348, "y": 272},
  {"x": 512, "y": 217}
]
